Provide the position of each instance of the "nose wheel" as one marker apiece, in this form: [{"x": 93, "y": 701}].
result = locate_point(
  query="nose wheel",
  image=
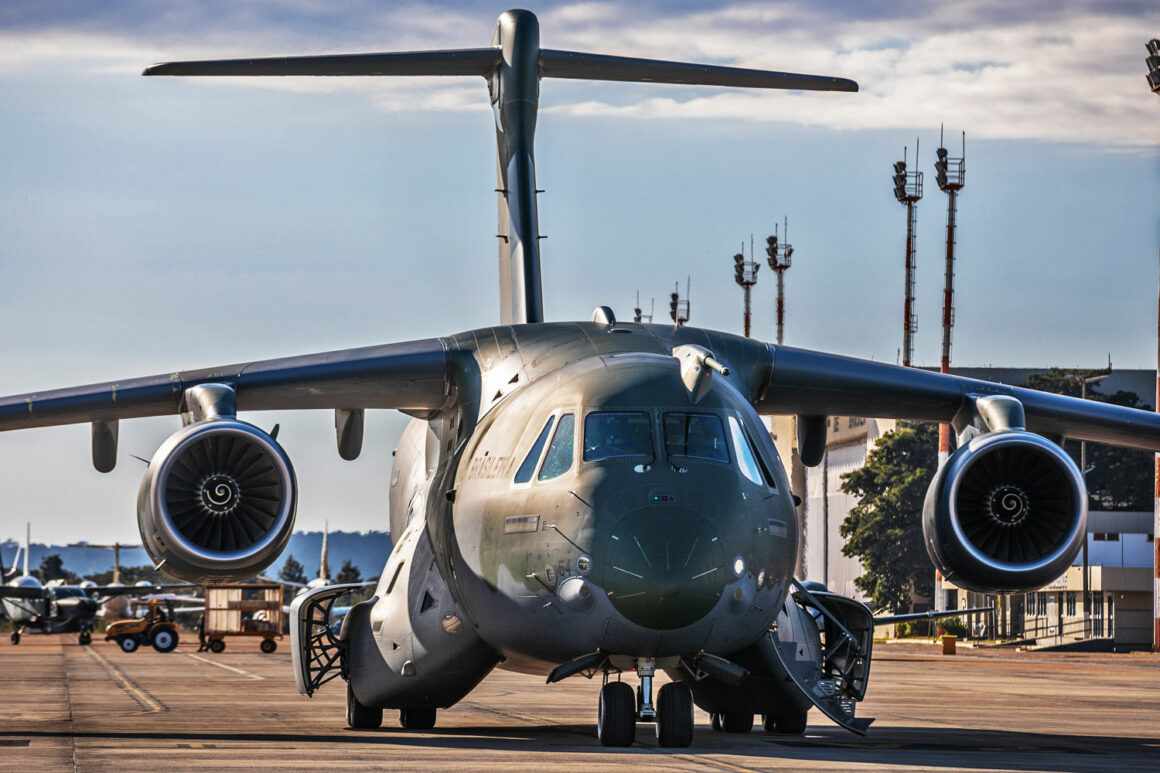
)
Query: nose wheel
[{"x": 619, "y": 710}]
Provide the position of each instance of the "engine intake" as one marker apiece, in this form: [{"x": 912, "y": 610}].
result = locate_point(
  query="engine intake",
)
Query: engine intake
[
  {"x": 217, "y": 501},
  {"x": 1006, "y": 513}
]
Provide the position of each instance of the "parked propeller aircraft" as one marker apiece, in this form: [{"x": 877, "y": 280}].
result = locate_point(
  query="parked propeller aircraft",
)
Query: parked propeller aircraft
[
  {"x": 56, "y": 607},
  {"x": 586, "y": 497}
]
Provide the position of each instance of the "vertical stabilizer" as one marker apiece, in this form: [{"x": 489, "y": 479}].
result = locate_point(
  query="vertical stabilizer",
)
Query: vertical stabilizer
[
  {"x": 512, "y": 67},
  {"x": 324, "y": 561}
]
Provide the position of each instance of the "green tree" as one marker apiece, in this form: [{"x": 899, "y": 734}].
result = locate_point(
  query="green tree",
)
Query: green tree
[
  {"x": 884, "y": 530},
  {"x": 348, "y": 573},
  {"x": 293, "y": 571},
  {"x": 52, "y": 568},
  {"x": 1120, "y": 478}
]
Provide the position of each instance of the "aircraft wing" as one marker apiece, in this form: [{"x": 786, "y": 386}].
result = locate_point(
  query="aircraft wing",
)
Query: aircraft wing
[
  {"x": 108, "y": 591},
  {"x": 14, "y": 592},
  {"x": 930, "y": 615},
  {"x": 809, "y": 383},
  {"x": 411, "y": 376}
]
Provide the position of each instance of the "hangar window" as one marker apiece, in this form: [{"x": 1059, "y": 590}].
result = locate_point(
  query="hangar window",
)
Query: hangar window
[
  {"x": 559, "y": 458},
  {"x": 695, "y": 435},
  {"x": 616, "y": 434},
  {"x": 524, "y": 473}
]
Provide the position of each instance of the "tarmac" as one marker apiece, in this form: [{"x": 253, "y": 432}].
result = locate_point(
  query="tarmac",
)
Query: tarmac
[{"x": 68, "y": 707}]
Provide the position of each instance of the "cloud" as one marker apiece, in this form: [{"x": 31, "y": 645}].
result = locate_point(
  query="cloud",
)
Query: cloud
[{"x": 1037, "y": 70}]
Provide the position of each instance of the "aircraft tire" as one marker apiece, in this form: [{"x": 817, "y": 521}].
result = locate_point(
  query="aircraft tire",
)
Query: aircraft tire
[
  {"x": 85, "y": 638},
  {"x": 128, "y": 644},
  {"x": 217, "y": 646},
  {"x": 737, "y": 721},
  {"x": 715, "y": 721},
  {"x": 268, "y": 646},
  {"x": 360, "y": 717},
  {"x": 675, "y": 715},
  {"x": 417, "y": 719},
  {"x": 788, "y": 724},
  {"x": 165, "y": 640},
  {"x": 616, "y": 715},
  {"x": 15, "y": 638}
]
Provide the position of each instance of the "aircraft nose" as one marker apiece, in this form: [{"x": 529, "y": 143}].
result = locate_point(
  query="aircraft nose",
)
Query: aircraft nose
[{"x": 666, "y": 567}]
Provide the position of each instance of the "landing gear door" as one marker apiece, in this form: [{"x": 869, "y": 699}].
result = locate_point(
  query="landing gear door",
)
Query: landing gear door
[{"x": 814, "y": 653}]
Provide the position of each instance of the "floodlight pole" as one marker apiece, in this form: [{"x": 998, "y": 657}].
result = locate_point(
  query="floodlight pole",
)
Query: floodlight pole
[
  {"x": 908, "y": 191},
  {"x": 951, "y": 175},
  {"x": 745, "y": 275},
  {"x": 780, "y": 258}
]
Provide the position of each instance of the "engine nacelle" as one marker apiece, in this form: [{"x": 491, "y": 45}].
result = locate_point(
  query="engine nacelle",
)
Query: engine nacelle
[
  {"x": 217, "y": 501},
  {"x": 1006, "y": 513}
]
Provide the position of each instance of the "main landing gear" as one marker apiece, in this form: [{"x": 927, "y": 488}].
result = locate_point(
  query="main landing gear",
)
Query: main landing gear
[
  {"x": 15, "y": 637},
  {"x": 360, "y": 717},
  {"x": 619, "y": 710}
]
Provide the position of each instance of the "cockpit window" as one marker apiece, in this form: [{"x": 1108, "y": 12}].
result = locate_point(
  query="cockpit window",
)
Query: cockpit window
[
  {"x": 524, "y": 473},
  {"x": 695, "y": 435},
  {"x": 746, "y": 456},
  {"x": 559, "y": 458},
  {"x": 609, "y": 435}
]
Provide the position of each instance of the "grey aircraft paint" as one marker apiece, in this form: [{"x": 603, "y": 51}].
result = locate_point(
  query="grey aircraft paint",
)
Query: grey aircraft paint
[{"x": 573, "y": 496}]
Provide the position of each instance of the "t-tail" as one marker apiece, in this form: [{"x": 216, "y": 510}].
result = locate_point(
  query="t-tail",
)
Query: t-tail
[
  {"x": 513, "y": 66},
  {"x": 324, "y": 559}
]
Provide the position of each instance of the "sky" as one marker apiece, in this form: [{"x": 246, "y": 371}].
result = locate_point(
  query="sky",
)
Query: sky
[{"x": 149, "y": 225}]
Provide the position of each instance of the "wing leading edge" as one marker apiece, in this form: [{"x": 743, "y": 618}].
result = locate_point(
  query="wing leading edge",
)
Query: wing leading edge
[
  {"x": 811, "y": 383},
  {"x": 414, "y": 376}
]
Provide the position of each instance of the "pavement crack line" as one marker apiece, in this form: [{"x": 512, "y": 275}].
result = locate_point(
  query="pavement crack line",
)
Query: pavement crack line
[
  {"x": 240, "y": 671},
  {"x": 138, "y": 693}
]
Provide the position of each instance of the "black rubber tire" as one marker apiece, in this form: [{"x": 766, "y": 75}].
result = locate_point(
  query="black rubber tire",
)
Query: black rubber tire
[
  {"x": 14, "y": 638},
  {"x": 715, "y": 721},
  {"x": 737, "y": 721},
  {"x": 360, "y": 717},
  {"x": 85, "y": 638},
  {"x": 217, "y": 646},
  {"x": 786, "y": 724},
  {"x": 675, "y": 715},
  {"x": 616, "y": 715},
  {"x": 165, "y": 640},
  {"x": 128, "y": 644},
  {"x": 268, "y": 646},
  {"x": 417, "y": 719}
]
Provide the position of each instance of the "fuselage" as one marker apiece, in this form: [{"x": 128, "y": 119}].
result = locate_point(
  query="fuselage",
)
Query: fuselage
[
  {"x": 596, "y": 502},
  {"x": 62, "y": 609}
]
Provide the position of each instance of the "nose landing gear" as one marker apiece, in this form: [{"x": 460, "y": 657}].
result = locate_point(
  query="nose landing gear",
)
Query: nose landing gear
[{"x": 618, "y": 712}]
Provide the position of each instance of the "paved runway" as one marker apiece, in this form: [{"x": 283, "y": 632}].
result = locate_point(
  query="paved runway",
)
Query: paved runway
[{"x": 66, "y": 707}]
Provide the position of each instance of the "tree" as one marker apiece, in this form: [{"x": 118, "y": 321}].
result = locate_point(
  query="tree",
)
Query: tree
[
  {"x": 348, "y": 573},
  {"x": 1120, "y": 478},
  {"x": 293, "y": 571},
  {"x": 884, "y": 530},
  {"x": 52, "y": 568}
]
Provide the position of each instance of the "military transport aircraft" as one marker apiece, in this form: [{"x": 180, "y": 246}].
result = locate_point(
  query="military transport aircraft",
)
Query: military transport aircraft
[
  {"x": 56, "y": 607},
  {"x": 588, "y": 497}
]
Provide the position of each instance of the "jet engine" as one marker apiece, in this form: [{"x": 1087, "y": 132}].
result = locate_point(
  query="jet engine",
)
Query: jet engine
[
  {"x": 217, "y": 501},
  {"x": 1006, "y": 513}
]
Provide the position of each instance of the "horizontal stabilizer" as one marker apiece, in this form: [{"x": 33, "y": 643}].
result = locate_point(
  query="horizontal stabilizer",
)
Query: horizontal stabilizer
[
  {"x": 585, "y": 66},
  {"x": 463, "y": 61}
]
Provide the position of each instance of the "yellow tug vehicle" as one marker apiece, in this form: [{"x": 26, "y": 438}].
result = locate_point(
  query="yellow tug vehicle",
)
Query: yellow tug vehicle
[{"x": 156, "y": 628}]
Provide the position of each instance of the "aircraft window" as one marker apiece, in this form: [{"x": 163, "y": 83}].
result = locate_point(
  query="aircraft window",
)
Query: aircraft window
[
  {"x": 746, "y": 456},
  {"x": 62, "y": 592},
  {"x": 559, "y": 458},
  {"x": 609, "y": 435},
  {"x": 696, "y": 435},
  {"x": 524, "y": 473}
]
